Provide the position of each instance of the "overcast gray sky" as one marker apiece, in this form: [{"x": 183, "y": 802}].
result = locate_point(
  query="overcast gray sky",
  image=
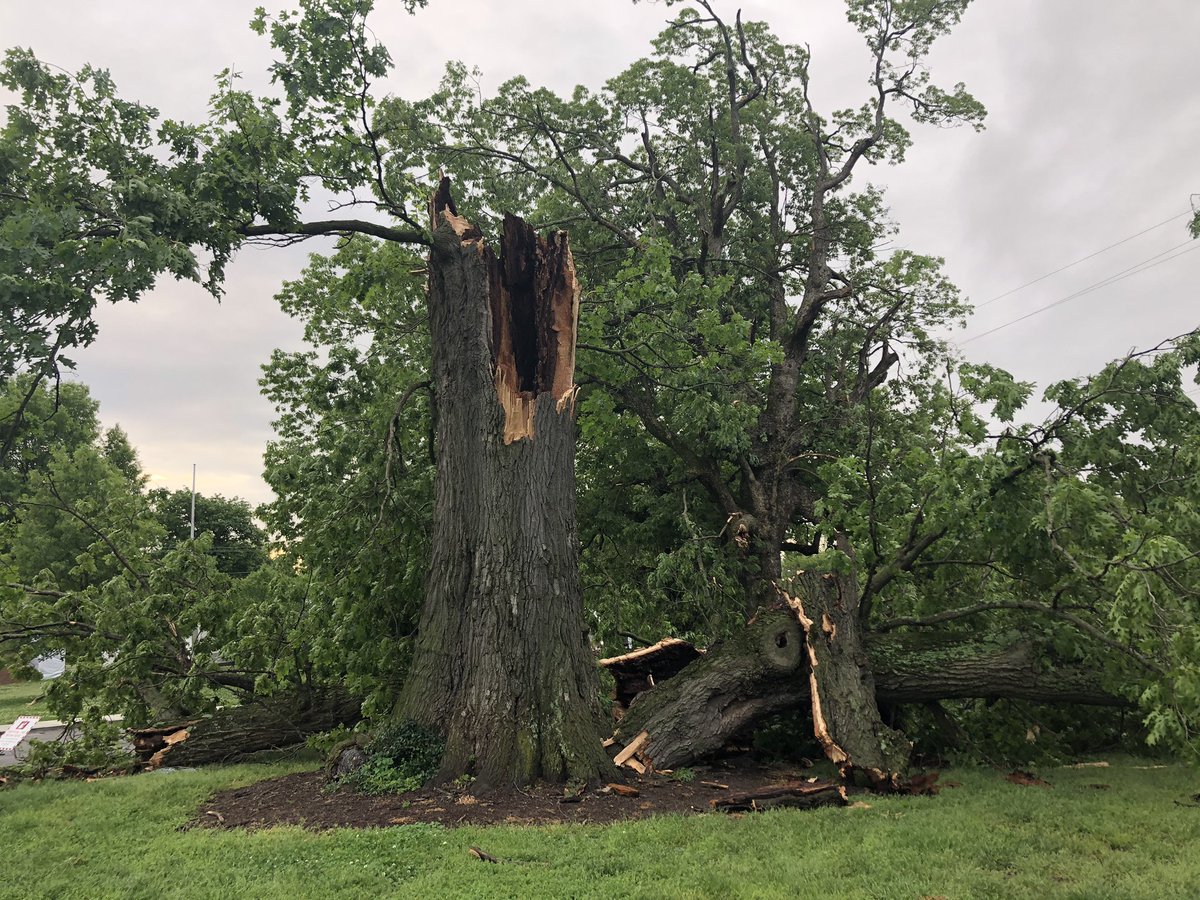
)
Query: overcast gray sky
[{"x": 1093, "y": 125}]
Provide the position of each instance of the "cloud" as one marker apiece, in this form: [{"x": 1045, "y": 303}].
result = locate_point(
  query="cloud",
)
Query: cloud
[{"x": 1091, "y": 137}]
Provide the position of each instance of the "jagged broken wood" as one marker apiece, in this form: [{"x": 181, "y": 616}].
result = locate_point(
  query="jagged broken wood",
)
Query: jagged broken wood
[
  {"x": 640, "y": 669},
  {"x": 627, "y": 752},
  {"x": 842, "y": 695},
  {"x": 760, "y": 671}
]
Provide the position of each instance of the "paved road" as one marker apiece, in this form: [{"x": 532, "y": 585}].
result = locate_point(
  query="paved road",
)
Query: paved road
[{"x": 46, "y": 730}]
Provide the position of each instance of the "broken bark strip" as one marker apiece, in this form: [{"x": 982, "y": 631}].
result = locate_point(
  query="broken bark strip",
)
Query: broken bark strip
[
  {"x": 234, "y": 732},
  {"x": 501, "y": 667},
  {"x": 696, "y": 712},
  {"x": 792, "y": 794},
  {"x": 845, "y": 712}
]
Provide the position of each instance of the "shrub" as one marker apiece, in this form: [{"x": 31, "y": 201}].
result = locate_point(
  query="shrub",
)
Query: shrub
[{"x": 400, "y": 758}]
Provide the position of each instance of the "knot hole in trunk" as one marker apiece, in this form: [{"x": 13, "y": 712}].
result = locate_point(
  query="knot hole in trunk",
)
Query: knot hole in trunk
[{"x": 781, "y": 648}]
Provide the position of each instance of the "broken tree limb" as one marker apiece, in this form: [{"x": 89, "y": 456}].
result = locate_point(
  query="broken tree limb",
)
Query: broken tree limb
[
  {"x": 272, "y": 723},
  {"x": 750, "y": 676},
  {"x": 922, "y": 667},
  {"x": 793, "y": 794},
  {"x": 734, "y": 685}
]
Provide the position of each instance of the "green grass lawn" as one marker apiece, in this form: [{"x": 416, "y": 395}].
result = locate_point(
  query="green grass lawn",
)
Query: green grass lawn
[
  {"x": 15, "y": 700},
  {"x": 119, "y": 838}
]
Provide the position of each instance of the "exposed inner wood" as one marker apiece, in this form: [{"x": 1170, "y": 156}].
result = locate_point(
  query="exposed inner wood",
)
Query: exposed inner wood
[
  {"x": 535, "y": 314},
  {"x": 630, "y": 749},
  {"x": 534, "y": 300},
  {"x": 834, "y": 753},
  {"x": 638, "y": 670}
]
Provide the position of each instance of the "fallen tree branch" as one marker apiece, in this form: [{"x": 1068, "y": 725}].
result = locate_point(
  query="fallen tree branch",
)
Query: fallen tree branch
[
  {"x": 272, "y": 723},
  {"x": 760, "y": 672},
  {"x": 1070, "y": 618},
  {"x": 793, "y": 794}
]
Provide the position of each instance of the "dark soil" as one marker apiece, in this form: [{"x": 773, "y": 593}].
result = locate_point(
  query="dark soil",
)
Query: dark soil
[{"x": 302, "y": 799}]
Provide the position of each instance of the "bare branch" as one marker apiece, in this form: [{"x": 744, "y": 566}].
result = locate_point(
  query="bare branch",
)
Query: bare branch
[{"x": 303, "y": 230}]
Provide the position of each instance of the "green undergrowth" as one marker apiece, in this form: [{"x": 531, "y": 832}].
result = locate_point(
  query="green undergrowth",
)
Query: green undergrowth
[
  {"x": 401, "y": 757},
  {"x": 21, "y": 699},
  {"x": 988, "y": 838}
]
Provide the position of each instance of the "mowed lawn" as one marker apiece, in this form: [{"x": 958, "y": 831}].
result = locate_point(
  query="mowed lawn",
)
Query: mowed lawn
[
  {"x": 120, "y": 838},
  {"x": 21, "y": 699}
]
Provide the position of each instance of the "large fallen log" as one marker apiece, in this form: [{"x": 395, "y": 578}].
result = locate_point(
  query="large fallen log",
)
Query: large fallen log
[
  {"x": 230, "y": 733},
  {"x": 761, "y": 671},
  {"x": 746, "y": 678}
]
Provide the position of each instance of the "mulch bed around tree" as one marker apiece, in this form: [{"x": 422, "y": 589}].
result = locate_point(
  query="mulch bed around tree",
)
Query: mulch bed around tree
[{"x": 302, "y": 799}]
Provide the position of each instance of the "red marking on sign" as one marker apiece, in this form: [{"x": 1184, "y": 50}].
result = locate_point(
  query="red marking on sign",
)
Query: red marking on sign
[{"x": 17, "y": 732}]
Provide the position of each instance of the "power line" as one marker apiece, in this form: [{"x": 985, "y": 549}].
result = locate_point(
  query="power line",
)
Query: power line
[
  {"x": 1083, "y": 259},
  {"x": 1144, "y": 266}
]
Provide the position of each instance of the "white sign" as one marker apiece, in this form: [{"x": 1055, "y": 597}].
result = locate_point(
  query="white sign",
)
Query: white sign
[{"x": 17, "y": 732}]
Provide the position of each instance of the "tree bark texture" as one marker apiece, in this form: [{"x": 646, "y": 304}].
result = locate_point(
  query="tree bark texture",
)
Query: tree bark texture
[
  {"x": 501, "y": 666},
  {"x": 754, "y": 674},
  {"x": 237, "y": 731},
  {"x": 845, "y": 712},
  {"x": 749, "y": 676}
]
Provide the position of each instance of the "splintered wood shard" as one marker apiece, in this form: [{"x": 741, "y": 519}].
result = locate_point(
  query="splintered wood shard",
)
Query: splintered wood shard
[
  {"x": 836, "y": 754},
  {"x": 625, "y": 757}
]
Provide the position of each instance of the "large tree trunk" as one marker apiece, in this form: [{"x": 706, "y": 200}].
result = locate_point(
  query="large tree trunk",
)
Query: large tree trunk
[
  {"x": 693, "y": 712},
  {"x": 502, "y": 666},
  {"x": 845, "y": 712}
]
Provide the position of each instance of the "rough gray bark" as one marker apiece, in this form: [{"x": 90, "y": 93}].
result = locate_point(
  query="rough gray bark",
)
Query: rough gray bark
[
  {"x": 845, "y": 713},
  {"x": 749, "y": 676},
  {"x": 270, "y": 723},
  {"x": 501, "y": 666},
  {"x": 756, "y": 674},
  {"x": 920, "y": 668}
]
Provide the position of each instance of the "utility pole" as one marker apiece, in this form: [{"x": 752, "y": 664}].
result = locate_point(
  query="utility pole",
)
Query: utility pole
[{"x": 193, "y": 520}]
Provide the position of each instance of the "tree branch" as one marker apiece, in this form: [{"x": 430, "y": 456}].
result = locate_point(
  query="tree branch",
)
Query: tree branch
[
  {"x": 1030, "y": 606},
  {"x": 302, "y": 230}
]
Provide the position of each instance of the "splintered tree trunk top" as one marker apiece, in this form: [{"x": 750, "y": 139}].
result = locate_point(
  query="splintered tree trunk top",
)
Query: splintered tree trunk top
[{"x": 533, "y": 300}]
